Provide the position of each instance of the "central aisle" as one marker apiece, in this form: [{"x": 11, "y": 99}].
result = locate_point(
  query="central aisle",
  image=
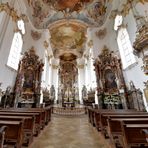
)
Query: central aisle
[{"x": 70, "y": 132}]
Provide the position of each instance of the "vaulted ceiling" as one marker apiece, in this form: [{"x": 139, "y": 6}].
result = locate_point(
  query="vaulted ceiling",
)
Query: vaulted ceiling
[
  {"x": 67, "y": 21},
  {"x": 45, "y": 12}
]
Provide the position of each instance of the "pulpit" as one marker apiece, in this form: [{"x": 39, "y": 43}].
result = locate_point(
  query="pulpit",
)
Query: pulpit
[
  {"x": 28, "y": 81},
  {"x": 89, "y": 100}
]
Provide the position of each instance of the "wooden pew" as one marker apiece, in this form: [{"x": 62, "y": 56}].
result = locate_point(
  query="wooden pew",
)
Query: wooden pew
[
  {"x": 2, "y": 135},
  {"x": 91, "y": 112},
  {"x": 98, "y": 112},
  {"x": 25, "y": 110},
  {"x": 29, "y": 125},
  {"x": 145, "y": 131},
  {"x": 132, "y": 135},
  {"x": 115, "y": 127},
  {"x": 105, "y": 115},
  {"x": 45, "y": 113},
  {"x": 14, "y": 132},
  {"x": 49, "y": 110},
  {"x": 37, "y": 119}
]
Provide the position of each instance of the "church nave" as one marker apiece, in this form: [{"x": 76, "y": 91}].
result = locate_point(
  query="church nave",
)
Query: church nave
[{"x": 70, "y": 132}]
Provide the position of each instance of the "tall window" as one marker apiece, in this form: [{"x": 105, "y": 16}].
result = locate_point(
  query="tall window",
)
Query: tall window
[
  {"x": 16, "y": 47},
  {"x": 124, "y": 44},
  {"x": 1, "y": 16},
  {"x": 118, "y": 22}
]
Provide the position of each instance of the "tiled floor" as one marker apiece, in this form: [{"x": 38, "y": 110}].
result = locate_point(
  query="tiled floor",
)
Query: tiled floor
[{"x": 70, "y": 132}]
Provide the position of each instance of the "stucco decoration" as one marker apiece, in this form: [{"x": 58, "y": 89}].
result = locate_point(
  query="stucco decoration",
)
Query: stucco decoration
[
  {"x": 46, "y": 44},
  {"x": 12, "y": 12},
  {"x": 35, "y": 35},
  {"x": 126, "y": 7},
  {"x": 101, "y": 33},
  {"x": 45, "y": 12},
  {"x": 67, "y": 38}
]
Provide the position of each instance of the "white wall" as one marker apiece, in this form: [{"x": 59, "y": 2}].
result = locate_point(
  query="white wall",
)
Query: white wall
[
  {"x": 7, "y": 75},
  {"x": 7, "y": 26},
  {"x": 135, "y": 73}
]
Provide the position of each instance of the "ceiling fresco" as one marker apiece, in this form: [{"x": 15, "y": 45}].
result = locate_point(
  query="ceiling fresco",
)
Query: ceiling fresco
[
  {"x": 45, "y": 12},
  {"x": 67, "y": 21},
  {"x": 68, "y": 38}
]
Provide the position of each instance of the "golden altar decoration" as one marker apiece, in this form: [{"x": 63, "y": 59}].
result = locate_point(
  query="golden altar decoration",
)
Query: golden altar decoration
[{"x": 28, "y": 82}]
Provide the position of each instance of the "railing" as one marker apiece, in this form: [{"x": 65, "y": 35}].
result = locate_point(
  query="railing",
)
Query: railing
[{"x": 69, "y": 110}]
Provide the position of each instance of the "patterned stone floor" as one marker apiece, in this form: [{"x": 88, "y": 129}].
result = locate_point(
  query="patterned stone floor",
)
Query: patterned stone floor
[{"x": 70, "y": 132}]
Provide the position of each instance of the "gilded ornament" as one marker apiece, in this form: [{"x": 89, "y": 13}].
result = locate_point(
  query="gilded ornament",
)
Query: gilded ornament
[
  {"x": 101, "y": 33},
  {"x": 81, "y": 66},
  {"x": 145, "y": 64},
  {"x": 12, "y": 12},
  {"x": 55, "y": 66},
  {"x": 46, "y": 44},
  {"x": 35, "y": 35},
  {"x": 90, "y": 43},
  {"x": 141, "y": 41}
]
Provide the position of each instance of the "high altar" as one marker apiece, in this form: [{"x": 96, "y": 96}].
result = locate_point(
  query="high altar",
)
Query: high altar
[
  {"x": 68, "y": 77},
  {"x": 28, "y": 81}
]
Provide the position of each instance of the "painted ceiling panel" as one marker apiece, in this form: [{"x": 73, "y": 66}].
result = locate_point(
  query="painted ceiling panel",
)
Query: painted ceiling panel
[{"x": 45, "y": 12}]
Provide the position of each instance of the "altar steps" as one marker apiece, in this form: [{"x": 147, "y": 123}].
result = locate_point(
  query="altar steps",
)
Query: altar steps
[{"x": 69, "y": 111}]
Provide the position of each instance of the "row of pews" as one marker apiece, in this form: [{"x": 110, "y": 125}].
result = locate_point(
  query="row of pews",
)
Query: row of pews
[
  {"x": 125, "y": 128},
  {"x": 18, "y": 126}
]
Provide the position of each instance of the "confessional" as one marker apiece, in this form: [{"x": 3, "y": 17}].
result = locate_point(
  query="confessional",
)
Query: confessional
[
  {"x": 89, "y": 99},
  {"x": 48, "y": 96},
  {"x": 135, "y": 98},
  {"x": 28, "y": 81}
]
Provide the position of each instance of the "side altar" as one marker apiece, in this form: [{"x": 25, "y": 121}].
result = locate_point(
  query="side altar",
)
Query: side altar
[
  {"x": 28, "y": 82},
  {"x": 111, "y": 86}
]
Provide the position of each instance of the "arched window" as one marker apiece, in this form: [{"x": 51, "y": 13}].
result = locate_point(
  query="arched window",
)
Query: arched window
[
  {"x": 1, "y": 16},
  {"x": 21, "y": 26},
  {"x": 124, "y": 44},
  {"x": 15, "y": 51},
  {"x": 118, "y": 22},
  {"x": 16, "y": 47}
]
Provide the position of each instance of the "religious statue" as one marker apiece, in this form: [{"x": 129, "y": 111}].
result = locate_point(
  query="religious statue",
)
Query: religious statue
[
  {"x": 6, "y": 97},
  {"x": 1, "y": 93},
  {"x": 84, "y": 93},
  {"x": 146, "y": 90},
  {"x": 52, "y": 92}
]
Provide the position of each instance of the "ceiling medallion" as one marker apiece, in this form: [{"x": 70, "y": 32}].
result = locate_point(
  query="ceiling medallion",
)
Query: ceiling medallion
[
  {"x": 46, "y": 44},
  {"x": 35, "y": 35},
  {"x": 101, "y": 33},
  {"x": 68, "y": 57}
]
